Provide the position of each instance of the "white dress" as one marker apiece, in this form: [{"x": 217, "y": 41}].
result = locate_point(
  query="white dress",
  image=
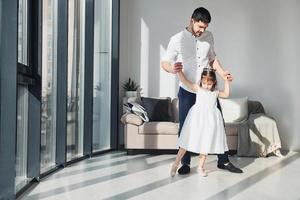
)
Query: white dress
[{"x": 203, "y": 129}]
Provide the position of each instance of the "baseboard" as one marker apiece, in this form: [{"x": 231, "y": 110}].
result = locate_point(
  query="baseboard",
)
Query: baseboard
[
  {"x": 151, "y": 151},
  {"x": 164, "y": 151}
]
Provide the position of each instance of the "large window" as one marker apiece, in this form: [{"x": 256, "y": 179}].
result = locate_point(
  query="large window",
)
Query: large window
[
  {"x": 22, "y": 102},
  {"x": 49, "y": 85},
  {"x": 22, "y": 138},
  {"x": 75, "y": 92},
  {"x": 64, "y": 62},
  {"x": 23, "y": 32},
  {"x": 102, "y": 75}
]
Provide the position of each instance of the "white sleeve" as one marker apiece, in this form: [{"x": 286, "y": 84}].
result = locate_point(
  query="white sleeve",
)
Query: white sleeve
[
  {"x": 172, "y": 51},
  {"x": 211, "y": 53}
]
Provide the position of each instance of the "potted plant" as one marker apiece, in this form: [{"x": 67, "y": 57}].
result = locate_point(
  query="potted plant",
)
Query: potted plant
[{"x": 130, "y": 88}]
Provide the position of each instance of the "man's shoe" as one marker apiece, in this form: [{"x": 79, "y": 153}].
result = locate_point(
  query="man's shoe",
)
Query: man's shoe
[
  {"x": 230, "y": 167},
  {"x": 184, "y": 169}
]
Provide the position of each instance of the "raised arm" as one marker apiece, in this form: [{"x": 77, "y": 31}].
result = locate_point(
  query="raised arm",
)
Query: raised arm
[
  {"x": 219, "y": 69},
  {"x": 225, "y": 93},
  {"x": 193, "y": 86}
]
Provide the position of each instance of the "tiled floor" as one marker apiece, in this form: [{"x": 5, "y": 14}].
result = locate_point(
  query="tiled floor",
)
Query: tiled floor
[{"x": 118, "y": 176}]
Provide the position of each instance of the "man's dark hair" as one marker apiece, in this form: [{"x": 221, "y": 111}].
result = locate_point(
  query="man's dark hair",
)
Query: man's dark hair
[{"x": 201, "y": 14}]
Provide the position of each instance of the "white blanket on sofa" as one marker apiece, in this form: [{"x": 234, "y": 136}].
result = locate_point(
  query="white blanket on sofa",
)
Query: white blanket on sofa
[{"x": 258, "y": 136}]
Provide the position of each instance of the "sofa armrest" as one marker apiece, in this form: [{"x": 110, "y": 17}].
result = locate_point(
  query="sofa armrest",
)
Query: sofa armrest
[
  {"x": 129, "y": 118},
  {"x": 255, "y": 107}
]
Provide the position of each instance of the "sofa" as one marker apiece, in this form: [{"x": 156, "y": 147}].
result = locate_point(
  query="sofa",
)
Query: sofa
[{"x": 163, "y": 135}]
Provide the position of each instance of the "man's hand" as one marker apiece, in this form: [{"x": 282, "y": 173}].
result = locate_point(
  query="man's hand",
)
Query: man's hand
[
  {"x": 223, "y": 73},
  {"x": 177, "y": 67},
  {"x": 168, "y": 67},
  {"x": 227, "y": 76}
]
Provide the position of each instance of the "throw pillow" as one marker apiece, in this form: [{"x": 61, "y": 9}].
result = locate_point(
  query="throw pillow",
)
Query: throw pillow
[
  {"x": 234, "y": 110},
  {"x": 137, "y": 109},
  {"x": 157, "y": 109},
  {"x": 131, "y": 118}
]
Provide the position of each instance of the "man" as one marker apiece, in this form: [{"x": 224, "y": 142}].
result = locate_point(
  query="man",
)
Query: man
[{"x": 192, "y": 50}]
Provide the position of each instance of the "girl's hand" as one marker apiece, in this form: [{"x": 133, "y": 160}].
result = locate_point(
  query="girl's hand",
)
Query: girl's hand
[
  {"x": 227, "y": 76},
  {"x": 177, "y": 67}
]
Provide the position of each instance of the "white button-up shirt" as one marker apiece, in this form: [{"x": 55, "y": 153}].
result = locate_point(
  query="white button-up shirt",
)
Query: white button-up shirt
[{"x": 195, "y": 53}]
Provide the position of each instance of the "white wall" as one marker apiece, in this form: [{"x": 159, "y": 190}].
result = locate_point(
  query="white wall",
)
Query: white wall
[{"x": 258, "y": 41}]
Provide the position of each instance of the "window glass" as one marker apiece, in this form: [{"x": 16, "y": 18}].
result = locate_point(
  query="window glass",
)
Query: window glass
[
  {"x": 102, "y": 75},
  {"x": 75, "y": 92},
  {"x": 49, "y": 87}
]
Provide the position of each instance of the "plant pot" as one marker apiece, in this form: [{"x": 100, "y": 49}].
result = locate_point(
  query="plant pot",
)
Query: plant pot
[{"x": 131, "y": 93}]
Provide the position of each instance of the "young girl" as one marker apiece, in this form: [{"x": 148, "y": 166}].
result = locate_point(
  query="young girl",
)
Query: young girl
[{"x": 203, "y": 130}]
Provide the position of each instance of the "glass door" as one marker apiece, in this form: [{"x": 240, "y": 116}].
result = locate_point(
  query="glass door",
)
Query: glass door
[
  {"x": 75, "y": 92},
  {"x": 49, "y": 85},
  {"x": 22, "y": 102},
  {"x": 22, "y": 137},
  {"x": 102, "y": 75}
]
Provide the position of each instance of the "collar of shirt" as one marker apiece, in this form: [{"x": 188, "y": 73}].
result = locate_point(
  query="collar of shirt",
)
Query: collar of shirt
[{"x": 191, "y": 34}]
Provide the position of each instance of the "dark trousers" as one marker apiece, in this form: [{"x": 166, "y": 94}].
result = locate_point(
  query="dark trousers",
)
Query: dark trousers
[{"x": 186, "y": 101}]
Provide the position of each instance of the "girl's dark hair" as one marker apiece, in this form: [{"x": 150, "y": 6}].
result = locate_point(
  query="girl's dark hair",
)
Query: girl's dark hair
[
  {"x": 210, "y": 75},
  {"x": 201, "y": 14}
]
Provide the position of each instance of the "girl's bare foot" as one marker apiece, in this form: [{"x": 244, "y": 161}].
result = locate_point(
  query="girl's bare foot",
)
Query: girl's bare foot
[
  {"x": 202, "y": 172},
  {"x": 173, "y": 169}
]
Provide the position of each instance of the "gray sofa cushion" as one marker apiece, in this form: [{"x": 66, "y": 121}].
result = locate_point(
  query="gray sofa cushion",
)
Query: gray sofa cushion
[{"x": 159, "y": 128}]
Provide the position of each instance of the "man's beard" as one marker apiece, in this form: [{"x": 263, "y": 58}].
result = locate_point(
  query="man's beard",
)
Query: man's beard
[{"x": 194, "y": 33}]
